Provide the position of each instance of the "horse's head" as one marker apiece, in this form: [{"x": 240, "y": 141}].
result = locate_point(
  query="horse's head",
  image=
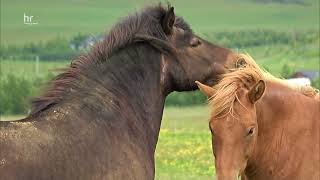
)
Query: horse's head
[
  {"x": 233, "y": 124},
  {"x": 195, "y": 58}
]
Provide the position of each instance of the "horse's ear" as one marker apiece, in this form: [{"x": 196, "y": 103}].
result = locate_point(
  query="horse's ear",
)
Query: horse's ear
[
  {"x": 168, "y": 21},
  {"x": 206, "y": 90},
  {"x": 257, "y": 91}
]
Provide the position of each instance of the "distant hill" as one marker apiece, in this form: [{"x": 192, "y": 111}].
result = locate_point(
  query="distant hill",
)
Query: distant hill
[
  {"x": 62, "y": 18},
  {"x": 300, "y": 2}
]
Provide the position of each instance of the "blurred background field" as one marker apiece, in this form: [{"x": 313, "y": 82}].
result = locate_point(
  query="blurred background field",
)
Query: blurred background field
[
  {"x": 66, "y": 18},
  {"x": 282, "y": 35}
]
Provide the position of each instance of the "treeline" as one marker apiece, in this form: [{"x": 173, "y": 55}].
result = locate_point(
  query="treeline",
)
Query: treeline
[
  {"x": 16, "y": 92},
  {"x": 62, "y": 49},
  {"x": 56, "y": 49},
  {"x": 252, "y": 38}
]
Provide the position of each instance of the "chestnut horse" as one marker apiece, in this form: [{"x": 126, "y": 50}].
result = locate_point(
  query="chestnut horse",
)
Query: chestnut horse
[
  {"x": 263, "y": 128},
  {"x": 100, "y": 119}
]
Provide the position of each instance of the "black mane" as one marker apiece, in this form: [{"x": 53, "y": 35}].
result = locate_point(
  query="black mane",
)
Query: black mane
[{"x": 144, "y": 26}]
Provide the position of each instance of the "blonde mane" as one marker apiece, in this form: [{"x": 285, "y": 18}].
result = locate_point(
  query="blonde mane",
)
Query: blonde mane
[{"x": 248, "y": 74}]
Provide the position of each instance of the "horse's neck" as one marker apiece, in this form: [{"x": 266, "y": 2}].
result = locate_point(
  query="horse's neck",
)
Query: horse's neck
[
  {"x": 142, "y": 94},
  {"x": 128, "y": 91},
  {"x": 285, "y": 126}
]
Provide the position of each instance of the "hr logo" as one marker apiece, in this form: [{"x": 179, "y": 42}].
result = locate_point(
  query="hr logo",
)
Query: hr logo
[{"x": 28, "y": 19}]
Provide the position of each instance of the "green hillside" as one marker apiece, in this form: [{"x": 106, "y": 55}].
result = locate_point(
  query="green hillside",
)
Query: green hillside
[{"x": 67, "y": 18}]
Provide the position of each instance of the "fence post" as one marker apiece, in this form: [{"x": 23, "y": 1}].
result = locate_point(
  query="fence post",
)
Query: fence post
[{"x": 37, "y": 65}]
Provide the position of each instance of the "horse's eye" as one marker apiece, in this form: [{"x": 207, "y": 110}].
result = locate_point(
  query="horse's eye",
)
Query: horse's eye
[
  {"x": 194, "y": 42},
  {"x": 211, "y": 129},
  {"x": 240, "y": 63},
  {"x": 250, "y": 132}
]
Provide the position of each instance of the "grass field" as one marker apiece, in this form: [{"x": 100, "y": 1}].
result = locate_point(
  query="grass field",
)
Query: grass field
[
  {"x": 67, "y": 18},
  {"x": 184, "y": 147},
  {"x": 29, "y": 68}
]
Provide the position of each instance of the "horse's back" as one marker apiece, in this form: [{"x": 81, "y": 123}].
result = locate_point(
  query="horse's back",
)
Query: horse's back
[
  {"x": 315, "y": 166},
  {"x": 307, "y": 140},
  {"x": 21, "y": 148},
  {"x": 61, "y": 148}
]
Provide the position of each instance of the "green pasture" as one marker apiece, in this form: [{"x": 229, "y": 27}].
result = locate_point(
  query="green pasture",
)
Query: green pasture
[
  {"x": 61, "y": 18},
  {"x": 31, "y": 69},
  {"x": 29, "y": 66},
  {"x": 184, "y": 147}
]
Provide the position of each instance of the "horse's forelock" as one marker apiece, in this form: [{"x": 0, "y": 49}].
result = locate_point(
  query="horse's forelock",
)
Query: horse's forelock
[{"x": 247, "y": 76}]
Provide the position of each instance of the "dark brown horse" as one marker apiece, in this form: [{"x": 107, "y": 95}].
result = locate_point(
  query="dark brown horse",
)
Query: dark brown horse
[
  {"x": 100, "y": 119},
  {"x": 264, "y": 128}
]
